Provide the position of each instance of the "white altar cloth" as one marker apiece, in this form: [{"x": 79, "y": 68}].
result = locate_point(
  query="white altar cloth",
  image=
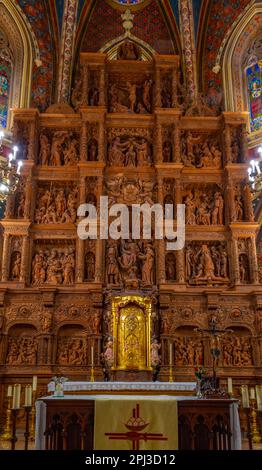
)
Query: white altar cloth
[
  {"x": 118, "y": 386},
  {"x": 236, "y": 443}
]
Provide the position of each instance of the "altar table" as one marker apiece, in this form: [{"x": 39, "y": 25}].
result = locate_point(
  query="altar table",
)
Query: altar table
[{"x": 68, "y": 423}]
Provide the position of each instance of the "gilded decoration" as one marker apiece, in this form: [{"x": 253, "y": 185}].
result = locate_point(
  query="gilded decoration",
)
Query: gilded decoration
[{"x": 132, "y": 332}]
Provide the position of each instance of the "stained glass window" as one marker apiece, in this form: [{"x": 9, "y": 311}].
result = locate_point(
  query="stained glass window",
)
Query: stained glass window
[
  {"x": 254, "y": 75},
  {"x": 5, "y": 78}
]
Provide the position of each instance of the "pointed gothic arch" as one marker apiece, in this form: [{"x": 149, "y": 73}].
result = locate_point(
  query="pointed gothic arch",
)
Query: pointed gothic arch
[
  {"x": 240, "y": 52},
  {"x": 19, "y": 50}
]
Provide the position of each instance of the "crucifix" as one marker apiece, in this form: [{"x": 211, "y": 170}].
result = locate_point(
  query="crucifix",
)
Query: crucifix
[{"x": 215, "y": 334}]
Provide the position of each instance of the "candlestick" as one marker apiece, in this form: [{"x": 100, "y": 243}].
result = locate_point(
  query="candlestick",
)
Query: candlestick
[
  {"x": 34, "y": 383},
  {"x": 170, "y": 354},
  {"x": 13, "y": 439},
  {"x": 6, "y": 436},
  {"x": 92, "y": 356},
  {"x": 230, "y": 386},
  {"x": 9, "y": 391},
  {"x": 32, "y": 425},
  {"x": 256, "y": 438},
  {"x": 27, "y": 425},
  {"x": 252, "y": 394}
]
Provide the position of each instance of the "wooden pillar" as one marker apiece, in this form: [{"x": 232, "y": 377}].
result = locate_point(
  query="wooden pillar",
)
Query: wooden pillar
[
  {"x": 161, "y": 269},
  {"x": 10, "y": 206},
  {"x": 101, "y": 141},
  {"x": 227, "y": 143},
  {"x": 85, "y": 72},
  {"x": 158, "y": 102},
  {"x": 99, "y": 243},
  {"x": 253, "y": 265},
  {"x": 174, "y": 88},
  {"x": 249, "y": 211},
  {"x": 244, "y": 143},
  {"x": 5, "y": 259},
  {"x": 80, "y": 244},
  {"x": 235, "y": 262},
  {"x": 230, "y": 210},
  {"x": 29, "y": 200},
  {"x": 83, "y": 142},
  {"x": 24, "y": 259},
  {"x": 176, "y": 143},
  {"x": 102, "y": 87},
  {"x": 159, "y": 144},
  {"x": 32, "y": 141}
]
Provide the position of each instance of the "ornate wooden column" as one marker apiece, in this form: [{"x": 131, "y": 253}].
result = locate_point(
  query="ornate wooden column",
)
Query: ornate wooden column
[
  {"x": 80, "y": 244},
  {"x": 102, "y": 101},
  {"x": 230, "y": 212},
  {"x": 253, "y": 265},
  {"x": 25, "y": 259},
  {"x": 85, "y": 72},
  {"x": 235, "y": 262},
  {"x": 161, "y": 269},
  {"x": 83, "y": 141},
  {"x": 177, "y": 143},
  {"x": 158, "y": 142},
  {"x": 101, "y": 139},
  {"x": 5, "y": 258},
  {"x": 158, "y": 103},
  {"x": 244, "y": 143},
  {"x": 99, "y": 243},
  {"x": 227, "y": 144},
  {"x": 29, "y": 200},
  {"x": 174, "y": 88}
]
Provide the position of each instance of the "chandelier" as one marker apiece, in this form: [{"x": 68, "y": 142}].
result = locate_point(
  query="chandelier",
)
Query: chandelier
[
  {"x": 255, "y": 176},
  {"x": 10, "y": 169}
]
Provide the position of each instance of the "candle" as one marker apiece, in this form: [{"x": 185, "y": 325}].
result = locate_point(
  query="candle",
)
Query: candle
[
  {"x": 259, "y": 397},
  {"x": 9, "y": 391},
  {"x": 16, "y": 397},
  {"x": 35, "y": 383},
  {"x": 252, "y": 394},
  {"x": 230, "y": 385},
  {"x": 28, "y": 395},
  {"x": 245, "y": 396},
  {"x": 92, "y": 355},
  {"x": 170, "y": 354}
]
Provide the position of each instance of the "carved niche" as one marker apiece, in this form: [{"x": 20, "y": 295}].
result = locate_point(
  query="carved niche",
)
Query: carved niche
[
  {"x": 56, "y": 203},
  {"x": 207, "y": 262},
  {"x": 58, "y": 147},
  {"x": 130, "y": 93},
  {"x": 53, "y": 264},
  {"x": 130, "y": 148},
  {"x": 204, "y": 205},
  {"x": 200, "y": 150},
  {"x": 22, "y": 346}
]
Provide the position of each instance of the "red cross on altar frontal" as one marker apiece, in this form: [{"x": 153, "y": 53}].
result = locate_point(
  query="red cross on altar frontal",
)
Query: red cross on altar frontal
[{"x": 135, "y": 426}]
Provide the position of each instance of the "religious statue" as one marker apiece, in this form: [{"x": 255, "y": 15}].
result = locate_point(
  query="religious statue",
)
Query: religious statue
[
  {"x": 76, "y": 97},
  {"x": 155, "y": 357},
  {"x": 129, "y": 51},
  {"x": 16, "y": 266},
  {"x": 45, "y": 150}
]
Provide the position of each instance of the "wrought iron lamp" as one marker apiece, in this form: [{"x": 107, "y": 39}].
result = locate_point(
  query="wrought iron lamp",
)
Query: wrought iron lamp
[{"x": 9, "y": 171}]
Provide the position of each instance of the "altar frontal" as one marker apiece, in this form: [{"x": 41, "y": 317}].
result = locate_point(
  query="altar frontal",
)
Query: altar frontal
[{"x": 136, "y": 424}]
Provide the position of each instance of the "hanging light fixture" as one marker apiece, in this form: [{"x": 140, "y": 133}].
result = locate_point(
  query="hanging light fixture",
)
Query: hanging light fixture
[{"x": 10, "y": 169}]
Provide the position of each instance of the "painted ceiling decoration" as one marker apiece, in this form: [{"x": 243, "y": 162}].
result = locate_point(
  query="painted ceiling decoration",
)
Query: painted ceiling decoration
[{"x": 38, "y": 15}]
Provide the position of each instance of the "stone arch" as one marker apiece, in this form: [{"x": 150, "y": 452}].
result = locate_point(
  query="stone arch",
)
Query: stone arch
[
  {"x": 236, "y": 54},
  {"x": 22, "y": 46}
]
